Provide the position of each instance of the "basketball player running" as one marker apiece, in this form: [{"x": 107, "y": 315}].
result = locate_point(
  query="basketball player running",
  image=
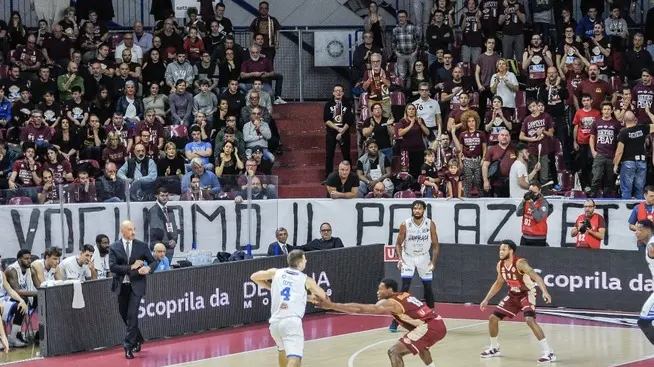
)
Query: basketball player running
[
  {"x": 645, "y": 234},
  {"x": 417, "y": 235},
  {"x": 520, "y": 278},
  {"x": 425, "y": 327},
  {"x": 288, "y": 288}
]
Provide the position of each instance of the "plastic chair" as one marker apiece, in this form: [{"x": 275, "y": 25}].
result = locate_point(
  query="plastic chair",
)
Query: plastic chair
[
  {"x": 398, "y": 98},
  {"x": 4, "y": 71},
  {"x": 20, "y": 200},
  {"x": 406, "y": 194}
]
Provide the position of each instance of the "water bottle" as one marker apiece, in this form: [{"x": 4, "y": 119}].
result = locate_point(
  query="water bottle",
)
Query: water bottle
[
  {"x": 248, "y": 250},
  {"x": 194, "y": 246}
]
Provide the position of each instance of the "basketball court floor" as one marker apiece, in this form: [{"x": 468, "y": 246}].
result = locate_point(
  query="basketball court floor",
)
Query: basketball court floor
[{"x": 335, "y": 340}]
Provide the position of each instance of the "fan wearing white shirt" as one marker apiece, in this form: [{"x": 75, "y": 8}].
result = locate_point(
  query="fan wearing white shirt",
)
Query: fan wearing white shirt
[
  {"x": 519, "y": 177},
  {"x": 504, "y": 84},
  {"x": 428, "y": 109},
  {"x": 100, "y": 257},
  {"x": 79, "y": 267}
]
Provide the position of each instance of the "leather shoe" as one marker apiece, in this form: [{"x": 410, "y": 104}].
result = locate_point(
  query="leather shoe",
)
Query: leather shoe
[
  {"x": 137, "y": 348},
  {"x": 128, "y": 353}
]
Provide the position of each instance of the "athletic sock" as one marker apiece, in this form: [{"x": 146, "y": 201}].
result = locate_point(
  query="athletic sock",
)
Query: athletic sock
[
  {"x": 14, "y": 330},
  {"x": 431, "y": 365},
  {"x": 545, "y": 346},
  {"x": 494, "y": 343}
]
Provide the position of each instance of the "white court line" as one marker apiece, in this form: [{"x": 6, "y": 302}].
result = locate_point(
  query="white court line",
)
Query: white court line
[
  {"x": 350, "y": 362},
  {"x": 634, "y": 361}
]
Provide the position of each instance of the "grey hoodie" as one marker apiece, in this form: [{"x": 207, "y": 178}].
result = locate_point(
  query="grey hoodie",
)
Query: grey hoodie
[{"x": 175, "y": 71}]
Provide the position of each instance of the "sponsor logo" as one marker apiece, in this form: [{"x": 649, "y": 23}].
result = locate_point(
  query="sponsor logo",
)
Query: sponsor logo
[
  {"x": 390, "y": 255},
  {"x": 187, "y": 303},
  {"x": 597, "y": 281}
]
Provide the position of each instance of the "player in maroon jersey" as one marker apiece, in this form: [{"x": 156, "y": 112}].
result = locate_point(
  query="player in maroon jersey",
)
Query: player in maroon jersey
[
  {"x": 520, "y": 278},
  {"x": 425, "y": 327}
]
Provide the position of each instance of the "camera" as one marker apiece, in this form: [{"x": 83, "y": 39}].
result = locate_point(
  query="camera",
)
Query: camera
[
  {"x": 530, "y": 195},
  {"x": 585, "y": 226}
]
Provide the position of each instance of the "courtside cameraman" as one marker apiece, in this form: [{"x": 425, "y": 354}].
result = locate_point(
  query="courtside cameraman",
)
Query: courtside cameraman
[
  {"x": 589, "y": 228},
  {"x": 534, "y": 210}
]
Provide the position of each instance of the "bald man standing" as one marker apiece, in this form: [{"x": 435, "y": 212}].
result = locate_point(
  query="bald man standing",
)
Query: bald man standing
[
  {"x": 629, "y": 160},
  {"x": 126, "y": 262}
]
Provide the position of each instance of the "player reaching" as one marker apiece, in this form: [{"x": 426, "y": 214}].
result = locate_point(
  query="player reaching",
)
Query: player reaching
[
  {"x": 645, "y": 234},
  {"x": 425, "y": 327},
  {"x": 520, "y": 277},
  {"x": 417, "y": 235},
  {"x": 288, "y": 292}
]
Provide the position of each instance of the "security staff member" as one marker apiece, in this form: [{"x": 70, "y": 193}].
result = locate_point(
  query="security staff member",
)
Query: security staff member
[
  {"x": 534, "y": 210},
  {"x": 642, "y": 211},
  {"x": 589, "y": 228}
]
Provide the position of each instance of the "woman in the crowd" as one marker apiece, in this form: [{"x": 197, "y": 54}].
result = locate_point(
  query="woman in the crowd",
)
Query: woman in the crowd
[
  {"x": 472, "y": 144},
  {"x": 157, "y": 102},
  {"x": 62, "y": 171},
  {"x": 229, "y": 165},
  {"x": 496, "y": 120},
  {"x": 130, "y": 105},
  {"x": 17, "y": 31},
  {"x": 381, "y": 129},
  {"x": 170, "y": 169},
  {"x": 375, "y": 24},
  {"x": 66, "y": 138},
  {"x": 418, "y": 75},
  {"x": 92, "y": 137},
  {"x": 412, "y": 131},
  {"x": 114, "y": 151},
  {"x": 103, "y": 106},
  {"x": 153, "y": 72},
  {"x": 220, "y": 117}
]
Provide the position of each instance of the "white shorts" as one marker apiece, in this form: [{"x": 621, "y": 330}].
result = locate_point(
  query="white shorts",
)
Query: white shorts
[
  {"x": 412, "y": 262},
  {"x": 647, "y": 312},
  {"x": 289, "y": 336}
]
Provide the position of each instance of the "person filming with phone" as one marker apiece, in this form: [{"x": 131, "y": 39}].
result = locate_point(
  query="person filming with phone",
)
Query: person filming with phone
[
  {"x": 534, "y": 210},
  {"x": 589, "y": 228}
]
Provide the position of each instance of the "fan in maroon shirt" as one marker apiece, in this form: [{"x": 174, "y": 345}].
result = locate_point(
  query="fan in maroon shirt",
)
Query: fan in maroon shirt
[
  {"x": 598, "y": 89},
  {"x": 643, "y": 94},
  {"x": 603, "y": 143},
  {"x": 115, "y": 152},
  {"x": 25, "y": 172},
  {"x": 36, "y": 131},
  {"x": 58, "y": 165},
  {"x": 123, "y": 130}
]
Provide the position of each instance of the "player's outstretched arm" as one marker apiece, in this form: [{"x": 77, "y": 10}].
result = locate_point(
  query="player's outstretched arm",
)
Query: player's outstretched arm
[
  {"x": 524, "y": 268},
  {"x": 382, "y": 307},
  {"x": 263, "y": 277},
  {"x": 315, "y": 289},
  {"x": 493, "y": 290}
]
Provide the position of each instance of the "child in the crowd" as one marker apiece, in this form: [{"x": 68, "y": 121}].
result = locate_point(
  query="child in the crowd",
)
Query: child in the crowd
[{"x": 452, "y": 178}]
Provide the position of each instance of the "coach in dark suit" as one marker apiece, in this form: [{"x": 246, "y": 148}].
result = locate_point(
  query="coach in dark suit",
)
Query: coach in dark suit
[
  {"x": 163, "y": 228},
  {"x": 126, "y": 262},
  {"x": 280, "y": 247}
]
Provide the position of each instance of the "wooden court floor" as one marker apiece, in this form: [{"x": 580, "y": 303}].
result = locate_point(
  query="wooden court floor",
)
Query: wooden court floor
[{"x": 575, "y": 345}]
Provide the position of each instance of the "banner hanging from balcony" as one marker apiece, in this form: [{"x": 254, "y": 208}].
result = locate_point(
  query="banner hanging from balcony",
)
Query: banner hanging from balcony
[
  {"x": 332, "y": 48},
  {"x": 223, "y": 225}
]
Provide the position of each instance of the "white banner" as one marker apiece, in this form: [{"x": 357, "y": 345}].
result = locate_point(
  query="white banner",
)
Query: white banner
[
  {"x": 181, "y": 6},
  {"x": 223, "y": 225}
]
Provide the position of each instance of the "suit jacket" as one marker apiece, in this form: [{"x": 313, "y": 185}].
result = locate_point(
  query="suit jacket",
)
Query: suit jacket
[
  {"x": 120, "y": 265},
  {"x": 158, "y": 232},
  {"x": 275, "y": 249}
]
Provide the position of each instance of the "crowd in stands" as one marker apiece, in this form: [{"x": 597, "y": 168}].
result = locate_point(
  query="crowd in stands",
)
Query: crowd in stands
[
  {"x": 87, "y": 115},
  {"x": 480, "y": 98}
]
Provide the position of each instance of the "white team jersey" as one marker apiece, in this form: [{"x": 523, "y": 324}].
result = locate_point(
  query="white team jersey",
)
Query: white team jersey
[
  {"x": 24, "y": 279},
  {"x": 288, "y": 294},
  {"x": 418, "y": 237},
  {"x": 650, "y": 261},
  {"x": 48, "y": 274}
]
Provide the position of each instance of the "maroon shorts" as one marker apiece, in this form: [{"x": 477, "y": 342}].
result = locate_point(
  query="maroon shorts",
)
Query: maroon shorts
[
  {"x": 424, "y": 336},
  {"x": 514, "y": 303}
]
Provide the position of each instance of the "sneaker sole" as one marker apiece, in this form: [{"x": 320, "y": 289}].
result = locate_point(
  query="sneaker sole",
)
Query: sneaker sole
[
  {"x": 546, "y": 362},
  {"x": 490, "y": 355}
]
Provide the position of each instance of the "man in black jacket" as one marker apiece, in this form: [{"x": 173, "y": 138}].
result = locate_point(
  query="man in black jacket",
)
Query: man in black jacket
[
  {"x": 163, "y": 228},
  {"x": 126, "y": 262},
  {"x": 325, "y": 242}
]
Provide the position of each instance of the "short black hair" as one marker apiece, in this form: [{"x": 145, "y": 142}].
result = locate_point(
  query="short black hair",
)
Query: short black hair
[
  {"x": 402, "y": 12},
  {"x": 512, "y": 245},
  {"x": 100, "y": 237},
  {"x": 23, "y": 252},
  {"x": 76, "y": 88},
  {"x": 87, "y": 248},
  {"x": 390, "y": 283},
  {"x": 586, "y": 95},
  {"x": 646, "y": 223},
  {"x": 162, "y": 190},
  {"x": 649, "y": 188},
  {"x": 418, "y": 202}
]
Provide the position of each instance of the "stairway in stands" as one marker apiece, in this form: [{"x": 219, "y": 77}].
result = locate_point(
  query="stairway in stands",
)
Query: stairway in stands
[{"x": 302, "y": 166}]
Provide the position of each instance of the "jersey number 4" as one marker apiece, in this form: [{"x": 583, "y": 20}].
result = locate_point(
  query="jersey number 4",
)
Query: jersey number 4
[{"x": 286, "y": 293}]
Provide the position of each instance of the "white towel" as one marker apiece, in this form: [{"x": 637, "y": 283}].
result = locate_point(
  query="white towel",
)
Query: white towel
[{"x": 78, "y": 296}]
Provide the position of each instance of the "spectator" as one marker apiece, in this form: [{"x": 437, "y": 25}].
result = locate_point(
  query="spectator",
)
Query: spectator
[
  {"x": 128, "y": 44},
  {"x": 512, "y": 19},
  {"x": 79, "y": 267},
  {"x": 268, "y": 27},
  {"x": 536, "y": 130},
  {"x": 129, "y": 105},
  {"x": 180, "y": 69},
  {"x": 519, "y": 177},
  {"x": 193, "y": 46},
  {"x": 153, "y": 126},
  {"x": 412, "y": 130},
  {"x": 583, "y": 121},
  {"x": 157, "y": 102},
  {"x": 598, "y": 49},
  {"x": 472, "y": 37},
  {"x": 49, "y": 192},
  {"x": 20, "y": 290},
  {"x": 603, "y": 143},
  {"x": 225, "y": 27},
  {"x": 120, "y": 80},
  {"x": 258, "y": 192},
  {"x": 171, "y": 42},
  {"x": 429, "y": 110},
  {"x": 100, "y": 257},
  {"x": 281, "y": 246},
  {"x": 51, "y": 110},
  {"x": 141, "y": 38},
  {"x": 205, "y": 101},
  {"x": 196, "y": 192},
  {"x": 111, "y": 189},
  {"x": 501, "y": 156},
  {"x": 260, "y": 67},
  {"x": 163, "y": 227},
  {"x": 453, "y": 90},
  {"x": 406, "y": 38},
  {"x": 543, "y": 18},
  {"x": 229, "y": 133},
  {"x": 378, "y": 192},
  {"x": 228, "y": 162},
  {"x": 361, "y": 58},
  {"x": 25, "y": 172},
  {"x": 373, "y": 167},
  {"x": 534, "y": 210},
  {"x": 630, "y": 155},
  {"x": 82, "y": 190},
  {"x": 566, "y": 21},
  {"x": 206, "y": 70},
  {"x": 171, "y": 169},
  {"x": 107, "y": 65},
  {"x": 254, "y": 101},
  {"x": 428, "y": 179},
  {"x": 589, "y": 228},
  {"x": 198, "y": 149},
  {"x": 586, "y": 26},
  {"x": 234, "y": 97},
  {"x": 88, "y": 42},
  {"x": 66, "y": 82},
  {"x": 76, "y": 109},
  {"x": 181, "y": 105},
  {"x": 344, "y": 184},
  {"x": 643, "y": 93},
  {"x": 95, "y": 81},
  {"x": 497, "y": 120},
  {"x": 635, "y": 60},
  {"x": 228, "y": 69},
  {"x": 140, "y": 172},
  {"x": 505, "y": 84},
  {"x": 377, "y": 84},
  {"x": 486, "y": 66},
  {"x": 154, "y": 72},
  {"x": 325, "y": 242},
  {"x": 59, "y": 166},
  {"x": 159, "y": 254},
  {"x": 642, "y": 211},
  {"x": 17, "y": 30},
  {"x": 439, "y": 36},
  {"x": 264, "y": 166},
  {"x": 569, "y": 50},
  {"x": 472, "y": 144},
  {"x": 151, "y": 149},
  {"x": 122, "y": 129},
  {"x": 208, "y": 179},
  {"x": 36, "y": 131},
  {"x": 381, "y": 129},
  {"x": 93, "y": 137},
  {"x": 338, "y": 115},
  {"x": 440, "y": 73},
  {"x": 28, "y": 58},
  {"x": 5, "y": 110},
  {"x": 555, "y": 96},
  {"x": 535, "y": 61},
  {"x": 14, "y": 84},
  {"x": 66, "y": 139},
  {"x": 57, "y": 48},
  {"x": 417, "y": 77},
  {"x": 257, "y": 134}
]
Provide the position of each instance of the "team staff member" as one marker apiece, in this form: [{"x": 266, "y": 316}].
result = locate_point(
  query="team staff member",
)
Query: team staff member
[
  {"x": 642, "y": 211},
  {"x": 589, "y": 228},
  {"x": 534, "y": 210},
  {"x": 645, "y": 234}
]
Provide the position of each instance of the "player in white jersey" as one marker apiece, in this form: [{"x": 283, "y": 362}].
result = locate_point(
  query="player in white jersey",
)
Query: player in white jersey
[
  {"x": 20, "y": 278},
  {"x": 645, "y": 234},
  {"x": 288, "y": 292},
  {"x": 416, "y": 238},
  {"x": 47, "y": 268},
  {"x": 7, "y": 297}
]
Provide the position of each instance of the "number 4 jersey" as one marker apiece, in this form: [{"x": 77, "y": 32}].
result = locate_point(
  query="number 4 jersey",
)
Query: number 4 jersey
[
  {"x": 288, "y": 294},
  {"x": 415, "y": 313}
]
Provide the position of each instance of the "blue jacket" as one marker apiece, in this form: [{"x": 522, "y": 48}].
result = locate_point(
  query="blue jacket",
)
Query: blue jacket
[
  {"x": 208, "y": 180},
  {"x": 5, "y": 110},
  {"x": 585, "y": 27}
]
